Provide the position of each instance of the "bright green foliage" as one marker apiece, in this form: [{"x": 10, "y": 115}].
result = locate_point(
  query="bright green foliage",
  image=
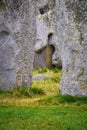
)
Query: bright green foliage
[
  {"x": 42, "y": 107},
  {"x": 43, "y": 118}
]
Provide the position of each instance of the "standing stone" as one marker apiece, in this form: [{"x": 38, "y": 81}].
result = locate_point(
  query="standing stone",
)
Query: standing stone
[
  {"x": 46, "y": 36},
  {"x": 72, "y": 44},
  {"x": 17, "y": 38}
]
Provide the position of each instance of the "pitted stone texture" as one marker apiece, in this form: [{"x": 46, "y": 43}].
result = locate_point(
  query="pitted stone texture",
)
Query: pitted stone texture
[
  {"x": 17, "y": 38},
  {"x": 72, "y": 44},
  {"x": 47, "y": 28}
]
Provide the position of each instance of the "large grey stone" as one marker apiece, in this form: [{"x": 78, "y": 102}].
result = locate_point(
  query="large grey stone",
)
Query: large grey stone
[
  {"x": 72, "y": 44},
  {"x": 17, "y": 38},
  {"x": 46, "y": 24}
]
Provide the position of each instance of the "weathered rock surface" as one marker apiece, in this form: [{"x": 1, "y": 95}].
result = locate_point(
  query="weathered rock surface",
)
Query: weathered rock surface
[
  {"x": 17, "y": 38},
  {"x": 72, "y": 44},
  {"x": 46, "y": 33},
  {"x": 63, "y": 24}
]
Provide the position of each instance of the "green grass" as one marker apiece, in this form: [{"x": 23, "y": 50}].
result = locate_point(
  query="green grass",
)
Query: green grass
[
  {"x": 22, "y": 92},
  {"x": 49, "y": 85},
  {"x": 64, "y": 100},
  {"x": 43, "y": 118},
  {"x": 42, "y": 107}
]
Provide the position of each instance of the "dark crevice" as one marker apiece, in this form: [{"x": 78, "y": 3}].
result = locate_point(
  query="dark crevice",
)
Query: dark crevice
[
  {"x": 44, "y": 10},
  {"x": 49, "y": 6},
  {"x": 52, "y": 48},
  {"x": 50, "y": 37}
]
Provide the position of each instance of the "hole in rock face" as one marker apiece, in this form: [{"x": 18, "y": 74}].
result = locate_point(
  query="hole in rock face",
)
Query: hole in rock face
[
  {"x": 44, "y": 9},
  {"x": 44, "y": 58},
  {"x": 50, "y": 38},
  {"x": 56, "y": 60},
  {"x": 52, "y": 48},
  {"x": 49, "y": 5}
]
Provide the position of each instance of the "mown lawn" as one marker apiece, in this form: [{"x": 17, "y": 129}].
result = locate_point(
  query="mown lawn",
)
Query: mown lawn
[
  {"x": 43, "y": 118},
  {"x": 42, "y": 108}
]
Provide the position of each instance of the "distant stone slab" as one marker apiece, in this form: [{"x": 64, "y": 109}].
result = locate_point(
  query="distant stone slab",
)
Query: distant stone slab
[{"x": 40, "y": 77}]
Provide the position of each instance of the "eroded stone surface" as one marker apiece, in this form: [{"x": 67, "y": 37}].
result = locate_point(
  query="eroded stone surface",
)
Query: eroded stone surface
[
  {"x": 64, "y": 26},
  {"x": 72, "y": 42},
  {"x": 46, "y": 24},
  {"x": 17, "y": 37}
]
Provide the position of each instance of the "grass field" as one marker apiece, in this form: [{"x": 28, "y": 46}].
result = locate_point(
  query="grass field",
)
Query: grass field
[{"x": 42, "y": 107}]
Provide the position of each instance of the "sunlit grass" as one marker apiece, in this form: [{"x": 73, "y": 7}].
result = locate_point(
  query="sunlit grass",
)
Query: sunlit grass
[
  {"x": 50, "y": 85},
  {"x": 43, "y": 118},
  {"x": 42, "y": 107}
]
